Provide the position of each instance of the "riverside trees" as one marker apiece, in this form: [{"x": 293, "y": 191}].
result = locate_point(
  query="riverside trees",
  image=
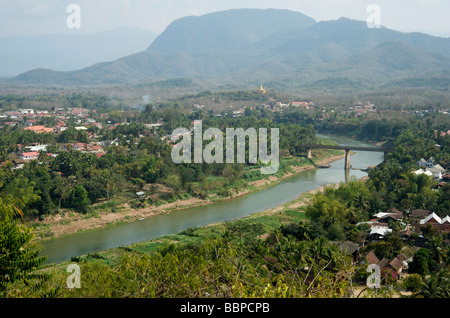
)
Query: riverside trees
[{"x": 70, "y": 177}]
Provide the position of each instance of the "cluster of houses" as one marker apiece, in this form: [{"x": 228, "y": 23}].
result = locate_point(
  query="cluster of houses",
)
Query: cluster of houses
[
  {"x": 33, "y": 152},
  {"x": 92, "y": 147},
  {"x": 29, "y": 118},
  {"x": 422, "y": 112},
  {"x": 411, "y": 235},
  {"x": 360, "y": 108},
  {"x": 430, "y": 168},
  {"x": 304, "y": 105},
  {"x": 83, "y": 118},
  {"x": 279, "y": 106},
  {"x": 379, "y": 225},
  {"x": 394, "y": 266},
  {"x": 25, "y": 113}
]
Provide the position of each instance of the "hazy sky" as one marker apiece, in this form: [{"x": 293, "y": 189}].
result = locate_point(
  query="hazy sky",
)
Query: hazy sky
[{"x": 22, "y": 17}]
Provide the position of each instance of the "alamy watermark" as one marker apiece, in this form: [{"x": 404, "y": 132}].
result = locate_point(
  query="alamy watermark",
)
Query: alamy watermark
[
  {"x": 374, "y": 19},
  {"x": 73, "y": 21},
  {"x": 374, "y": 279},
  {"x": 74, "y": 279},
  {"x": 214, "y": 151}
]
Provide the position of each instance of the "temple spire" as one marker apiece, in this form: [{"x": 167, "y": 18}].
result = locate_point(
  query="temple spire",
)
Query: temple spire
[{"x": 261, "y": 89}]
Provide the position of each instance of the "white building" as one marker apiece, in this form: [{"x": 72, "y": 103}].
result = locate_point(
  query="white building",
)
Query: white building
[
  {"x": 429, "y": 168},
  {"x": 421, "y": 171},
  {"x": 26, "y": 111},
  {"x": 379, "y": 232},
  {"x": 436, "y": 171},
  {"x": 38, "y": 148},
  {"x": 426, "y": 163},
  {"x": 421, "y": 163},
  {"x": 430, "y": 163}
]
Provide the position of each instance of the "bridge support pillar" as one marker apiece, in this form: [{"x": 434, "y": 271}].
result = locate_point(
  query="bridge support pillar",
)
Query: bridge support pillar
[
  {"x": 308, "y": 153},
  {"x": 347, "y": 159}
]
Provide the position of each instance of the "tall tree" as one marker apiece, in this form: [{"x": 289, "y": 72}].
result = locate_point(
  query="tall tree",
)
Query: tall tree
[
  {"x": 436, "y": 245},
  {"x": 80, "y": 199}
]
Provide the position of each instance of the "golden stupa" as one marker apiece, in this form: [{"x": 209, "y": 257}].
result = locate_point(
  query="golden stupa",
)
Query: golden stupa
[{"x": 261, "y": 89}]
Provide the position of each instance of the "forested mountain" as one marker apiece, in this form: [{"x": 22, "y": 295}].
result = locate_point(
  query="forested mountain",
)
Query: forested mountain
[
  {"x": 228, "y": 31},
  {"x": 280, "y": 47}
]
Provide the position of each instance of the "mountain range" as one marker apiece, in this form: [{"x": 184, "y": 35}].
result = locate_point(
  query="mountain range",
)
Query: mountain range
[{"x": 282, "y": 48}]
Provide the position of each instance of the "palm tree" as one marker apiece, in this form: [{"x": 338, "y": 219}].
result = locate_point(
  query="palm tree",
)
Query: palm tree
[
  {"x": 353, "y": 215},
  {"x": 9, "y": 209},
  {"x": 361, "y": 202},
  {"x": 437, "y": 249},
  {"x": 42, "y": 156},
  {"x": 435, "y": 286}
]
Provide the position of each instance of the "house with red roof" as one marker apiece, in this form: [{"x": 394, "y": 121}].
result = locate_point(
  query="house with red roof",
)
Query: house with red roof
[
  {"x": 29, "y": 155},
  {"x": 39, "y": 129},
  {"x": 79, "y": 146}
]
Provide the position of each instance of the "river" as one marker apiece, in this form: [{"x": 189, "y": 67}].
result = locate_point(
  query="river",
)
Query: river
[{"x": 62, "y": 249}]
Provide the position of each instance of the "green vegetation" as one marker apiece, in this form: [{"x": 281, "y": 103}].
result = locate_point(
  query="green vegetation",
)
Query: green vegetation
[
  {"x": 293, "y": 252},
  {"x": 121, "y": 157},
  {"x": 19, "y": 251},
  {"x": 140, "y": 160}
]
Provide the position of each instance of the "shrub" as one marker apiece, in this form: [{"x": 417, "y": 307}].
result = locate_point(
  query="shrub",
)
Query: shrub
[{"x": 413, "y": 282}]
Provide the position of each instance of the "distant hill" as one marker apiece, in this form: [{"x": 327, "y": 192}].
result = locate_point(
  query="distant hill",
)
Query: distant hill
[
  {"x": 353, "y": 36},
  {"x": 285, "y": 49},
  {"x": 227, "y": 31},
  {"x": 67, "y": 52}
]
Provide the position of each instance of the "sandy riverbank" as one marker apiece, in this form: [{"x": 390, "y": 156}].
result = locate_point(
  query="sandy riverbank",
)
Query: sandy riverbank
[{"x": 70, "y": 223}]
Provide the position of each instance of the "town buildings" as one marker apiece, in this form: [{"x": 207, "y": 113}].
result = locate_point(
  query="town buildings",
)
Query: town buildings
[{"x": 430, "y": 168}]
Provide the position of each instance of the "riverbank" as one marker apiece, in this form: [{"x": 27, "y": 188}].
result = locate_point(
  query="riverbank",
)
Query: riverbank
[
  {"x": 71, "y": 223},
  {"x": 303, "y": 200}
]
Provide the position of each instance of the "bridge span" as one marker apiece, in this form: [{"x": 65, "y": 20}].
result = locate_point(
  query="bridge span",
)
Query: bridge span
[{"x": 347, "y": 151}]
